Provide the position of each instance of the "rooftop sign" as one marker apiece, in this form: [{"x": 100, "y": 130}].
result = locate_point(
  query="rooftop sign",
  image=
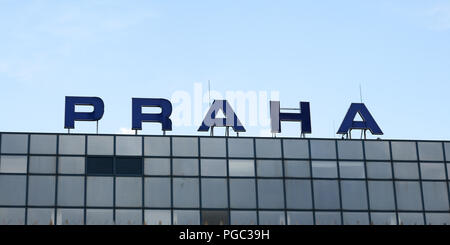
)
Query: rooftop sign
[{"x": 211, "y": 120}]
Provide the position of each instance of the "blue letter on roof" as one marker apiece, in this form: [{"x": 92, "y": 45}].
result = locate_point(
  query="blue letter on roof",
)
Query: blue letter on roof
[
  {"x": 163, "y": 117},
  {"x": 230, "y": 120},
  {"x": 368, "y": 122},
  {"x": 276, "y": 117},
  {"x": 71, "y": 116}
]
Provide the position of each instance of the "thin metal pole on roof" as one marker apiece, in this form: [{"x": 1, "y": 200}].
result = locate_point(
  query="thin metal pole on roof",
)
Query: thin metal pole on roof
[{"x": 209, "y": 92}]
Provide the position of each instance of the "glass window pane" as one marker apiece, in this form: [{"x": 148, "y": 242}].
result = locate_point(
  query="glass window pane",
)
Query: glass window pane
[
  {"x": 406, "y": 170},
  {"x": 243, "y": 218},
  {"x": 186, "y": 217},
  {"x": 354, "y": 195},
  {"x": 99, "y": 165},
  {"x": 349, "y": 149},
  {"x": 408, "y": 195},
  {"x": 13, "y": 164},
  {"x": 269, "y": 168},
  {"x": 42, "y": 165},
  {"x": 377, "y": 150},
  {"x": 157, "y": 192},
  {"x": 242, "y": 193},
  {"x": 295, "y": 149},
  {"x": 41, "y": 216},
  {"x": 300, "y": 218},
  {"x": 431, "y": 151},
  {"x": 12, "y": 190},
  {"x": 326, "y": 194},
  {"x": 328, "y": 218},
  {"x": 268, "y": 148},
  {"x": 214, "y": 167},
  {"x": 43, "y": 144},
  {"x": 438, "y": 218},
  {"x": 12, "y": 216},
  {"x": 99, "y": 217},
  {"x": 410, "y": 218},
  {"x": 128, "y": 192},
  {"x": 100, "y": 145},
  {"x": 356, "y": 218},
  {"x": 70, "y": 191},
  {"x": 185, "y": 193},
  {"x": 41, "y": 190},
  {"x": 298, "y": 194},
  {"x": 213, "y": 147},
  {"x": 323, "y": 149},
  {"x": 100, "y": 191},
  {"x": 157, "y": 146},
  {"x": 240, "y": 147},
  {"x": 215, "y": 217},
  {"x": 324, "y": 169},
  {"x": 129, "y": 145},
  {"x": 383, "y": 218},
  {"x": 352, "y": 170},
  {"x": 214, "y": 193},
  {"x": 185, "y": 147},
  {"x": 404, "y": 151},
  {"x": 379, "y": 170},
  {"x": 157, "y": 166},
  {"x": 270, "y": 194},
  {"x": 129, "y": 166},
  {"x": 432, "y": 171},
  {"x": 128, "y": 217},
  {"x": 70, "y": 217},
  {"x": 185, "y": 167},
  {"x": 381, "y": 195},
  {"x": 158, "y": 217},
  {"x": 447, "y": 151},
  {"x": 15, "y": 143},
  {"x": 435, "y": 196},
  {"x": 297, "y": 169},
  {"x": 72, "y": 144},
  {"x": 241, "y": 167},
  {"x": 271, "y": 218},
  {"x": 71, "y": 165}
]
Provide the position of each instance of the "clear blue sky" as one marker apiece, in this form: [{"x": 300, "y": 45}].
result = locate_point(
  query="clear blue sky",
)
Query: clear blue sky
[{"x": 316, "y": 51}]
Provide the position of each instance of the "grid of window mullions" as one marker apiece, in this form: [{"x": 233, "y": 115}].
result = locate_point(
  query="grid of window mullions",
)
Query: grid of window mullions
[{"x": 340, "y": 210}]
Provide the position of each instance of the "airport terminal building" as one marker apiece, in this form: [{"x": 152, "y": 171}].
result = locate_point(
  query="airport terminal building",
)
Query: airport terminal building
[{"x": 74, "y": 179}]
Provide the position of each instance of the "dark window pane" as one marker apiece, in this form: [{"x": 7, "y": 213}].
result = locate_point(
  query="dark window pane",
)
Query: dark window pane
[
  {"x": 129, "y": 166},
  {"x": 99, "y": 165},
  {"x": 216, "y": 217}
]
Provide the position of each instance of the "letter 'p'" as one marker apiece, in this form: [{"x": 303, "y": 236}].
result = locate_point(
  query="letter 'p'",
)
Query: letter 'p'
[{"x": 71, "y": 115}]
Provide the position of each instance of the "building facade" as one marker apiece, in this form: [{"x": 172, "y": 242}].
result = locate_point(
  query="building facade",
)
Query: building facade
[{"x": 62, "y": 179}]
